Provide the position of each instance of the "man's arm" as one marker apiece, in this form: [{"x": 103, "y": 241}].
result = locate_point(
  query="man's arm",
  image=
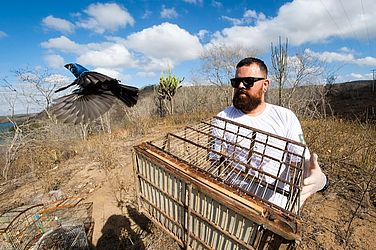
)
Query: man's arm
[{"x": 314, "y": 181}]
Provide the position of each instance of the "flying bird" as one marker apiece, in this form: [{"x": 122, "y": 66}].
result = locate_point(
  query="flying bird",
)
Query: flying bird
[{"x": 95, "y": 95}]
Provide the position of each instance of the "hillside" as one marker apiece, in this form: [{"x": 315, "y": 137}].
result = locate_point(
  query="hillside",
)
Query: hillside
[
  {"x": 353, "y": 100},
  {"x": 100, "y": 169}
]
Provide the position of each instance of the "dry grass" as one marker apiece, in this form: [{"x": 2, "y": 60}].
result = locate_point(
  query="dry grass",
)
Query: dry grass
[
  {"x": 38, "y": 147},
  {"x": 347, "y": 154},
  {"x": 339, "y": 141}
]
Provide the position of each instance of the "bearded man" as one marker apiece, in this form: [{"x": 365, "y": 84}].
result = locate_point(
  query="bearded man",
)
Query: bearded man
[{"x": 249, "y": 108}]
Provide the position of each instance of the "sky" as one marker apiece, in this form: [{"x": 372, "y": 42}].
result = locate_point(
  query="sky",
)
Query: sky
[{"x": 135, "y": 41}]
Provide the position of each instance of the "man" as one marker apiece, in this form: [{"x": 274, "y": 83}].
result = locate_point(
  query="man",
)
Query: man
[{"x": 249, "y": 108}]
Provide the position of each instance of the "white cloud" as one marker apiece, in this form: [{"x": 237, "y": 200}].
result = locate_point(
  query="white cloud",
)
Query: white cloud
[
  {"x": 196, "y": 2},
  {"x": 144, "y": 74},
  {"x": 248, "y": 37},
  {"x": 54, "y": 61},
  {"x": 250, "y": 14},
  {"x": 216, "y": 4},
  {"x": 152, "y": 49},
  {"x": 157, "y": 64},
  {"x": 3, "y": 34},
  {"x": 304, "y": 22},
  {"x": 367, "y": 61},
  {"x": 165, "y": 41},
  {"x": 58, "y": 79},
  {"x": 202, "y": 33},
  {"x": 112, "y": 73},
  {"x": 168, "y": 12},
  {"x": 248, "y": 17},
  {"x": 106, "y": 17},
  {"x": 146, "y": 14},
  {"x": 233, "y": 21},
  {"x": 58, "y": 24},
  {"x": 346, "y": 50},
  {"x": 343, "y": 57},
  {"x": 356, "y": 76},
  {"x": 111, "y": 55},
  {"x": 61, "y": 43},
  {"x": 330, "y": 56}
]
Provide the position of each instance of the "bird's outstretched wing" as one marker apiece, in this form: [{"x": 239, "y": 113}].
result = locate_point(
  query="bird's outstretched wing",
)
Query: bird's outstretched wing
[
  {"x": 94, "y": 80},
  {"x": 77, "y": 108}
]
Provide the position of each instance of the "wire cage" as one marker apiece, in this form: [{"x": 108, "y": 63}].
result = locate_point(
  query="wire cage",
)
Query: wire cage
[
  {"x": 222, "y": 185},
  {"x": 19, "y": 227},
  {"x": 64, "y": 237},
  {"x": 69, "y": 214},
  {"x": 23, "y": 227}
]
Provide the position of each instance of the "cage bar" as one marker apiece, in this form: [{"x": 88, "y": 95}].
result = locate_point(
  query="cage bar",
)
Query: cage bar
[{"x": 222, "y": 185}]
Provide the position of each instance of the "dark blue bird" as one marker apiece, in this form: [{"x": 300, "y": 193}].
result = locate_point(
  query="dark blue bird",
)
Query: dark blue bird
[{"x": 95, "y": 95}]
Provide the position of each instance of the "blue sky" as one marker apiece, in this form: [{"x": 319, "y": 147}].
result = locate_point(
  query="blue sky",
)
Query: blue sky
[{"x": 136, "y": 40}]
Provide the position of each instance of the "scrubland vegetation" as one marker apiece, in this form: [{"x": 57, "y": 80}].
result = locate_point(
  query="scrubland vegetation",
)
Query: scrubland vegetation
[{"x": 346, "y": 149}]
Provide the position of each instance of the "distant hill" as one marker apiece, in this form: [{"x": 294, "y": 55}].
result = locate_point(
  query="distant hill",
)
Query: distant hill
[{"x": 353, "y": 100}]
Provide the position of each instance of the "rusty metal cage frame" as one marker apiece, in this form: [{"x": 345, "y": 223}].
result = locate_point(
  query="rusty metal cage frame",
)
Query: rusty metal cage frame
[
  {"x": 179, "y": 190},
  {"x": 22, "y": 227}
]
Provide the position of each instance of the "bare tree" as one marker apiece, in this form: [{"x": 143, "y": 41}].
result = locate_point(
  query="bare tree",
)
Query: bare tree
[
  {"x": 9, "y": 95},
  {"x": 11, "y": 152},
  {"x": 106, "y": 122},
  {"x": 303, "y": 70},
  {"x": 218, "y": 65},
  {"x": 38, "y": 87},
  {"x": 279, "y": 65},
  {"x": 219, "y": 61}
]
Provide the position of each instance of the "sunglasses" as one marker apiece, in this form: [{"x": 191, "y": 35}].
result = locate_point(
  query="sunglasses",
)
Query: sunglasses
[{"x": 247, "y": 81}]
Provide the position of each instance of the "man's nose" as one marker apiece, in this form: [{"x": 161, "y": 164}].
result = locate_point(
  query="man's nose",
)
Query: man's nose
[{"x": 241, "y": 85}]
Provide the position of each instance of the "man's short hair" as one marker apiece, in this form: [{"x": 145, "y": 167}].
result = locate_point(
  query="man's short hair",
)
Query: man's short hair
[{"x": 251, "y": 60}]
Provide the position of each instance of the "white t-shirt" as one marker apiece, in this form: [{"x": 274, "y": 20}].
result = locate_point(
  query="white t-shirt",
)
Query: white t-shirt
[{"x": 236, "y": 142}]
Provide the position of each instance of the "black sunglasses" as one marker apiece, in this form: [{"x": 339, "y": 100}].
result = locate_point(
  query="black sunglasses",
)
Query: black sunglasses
[{"x": 247, "y": 81}]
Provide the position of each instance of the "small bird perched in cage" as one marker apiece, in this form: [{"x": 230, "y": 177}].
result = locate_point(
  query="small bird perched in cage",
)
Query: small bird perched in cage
[{"x": 95, "y": 95}]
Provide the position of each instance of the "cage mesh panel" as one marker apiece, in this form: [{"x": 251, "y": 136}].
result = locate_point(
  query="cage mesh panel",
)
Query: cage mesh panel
[
  {"x": 65, "y": 237},
  {"x": 260, "y": 164},
  {"x": 22, "y": 227},
  {"x": 19, "y": 227}
]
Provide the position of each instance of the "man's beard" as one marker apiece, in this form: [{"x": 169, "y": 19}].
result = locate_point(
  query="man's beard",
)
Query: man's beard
[{"x": 246, "y": 103}]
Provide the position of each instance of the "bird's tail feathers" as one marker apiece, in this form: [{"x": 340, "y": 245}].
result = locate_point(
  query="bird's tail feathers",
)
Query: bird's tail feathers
[{"x": 127, "y": 94}]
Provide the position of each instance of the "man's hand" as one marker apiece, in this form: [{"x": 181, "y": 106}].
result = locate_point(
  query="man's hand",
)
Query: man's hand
[{"x": 314, "y": 181}]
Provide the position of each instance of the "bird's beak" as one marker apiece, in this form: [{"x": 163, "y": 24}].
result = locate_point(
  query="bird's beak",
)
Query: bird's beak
[{"x": 68, "y": 66}]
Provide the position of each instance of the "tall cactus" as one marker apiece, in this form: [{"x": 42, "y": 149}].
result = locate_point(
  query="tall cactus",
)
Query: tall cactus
[{"x": 167, "y": 88}]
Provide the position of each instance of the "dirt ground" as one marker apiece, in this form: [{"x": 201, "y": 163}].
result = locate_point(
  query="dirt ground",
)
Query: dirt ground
[{"x": 329, "y": 220}]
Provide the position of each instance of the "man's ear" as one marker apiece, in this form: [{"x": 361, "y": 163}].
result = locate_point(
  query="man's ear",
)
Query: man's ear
[{"x": 265, "y": 85}]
